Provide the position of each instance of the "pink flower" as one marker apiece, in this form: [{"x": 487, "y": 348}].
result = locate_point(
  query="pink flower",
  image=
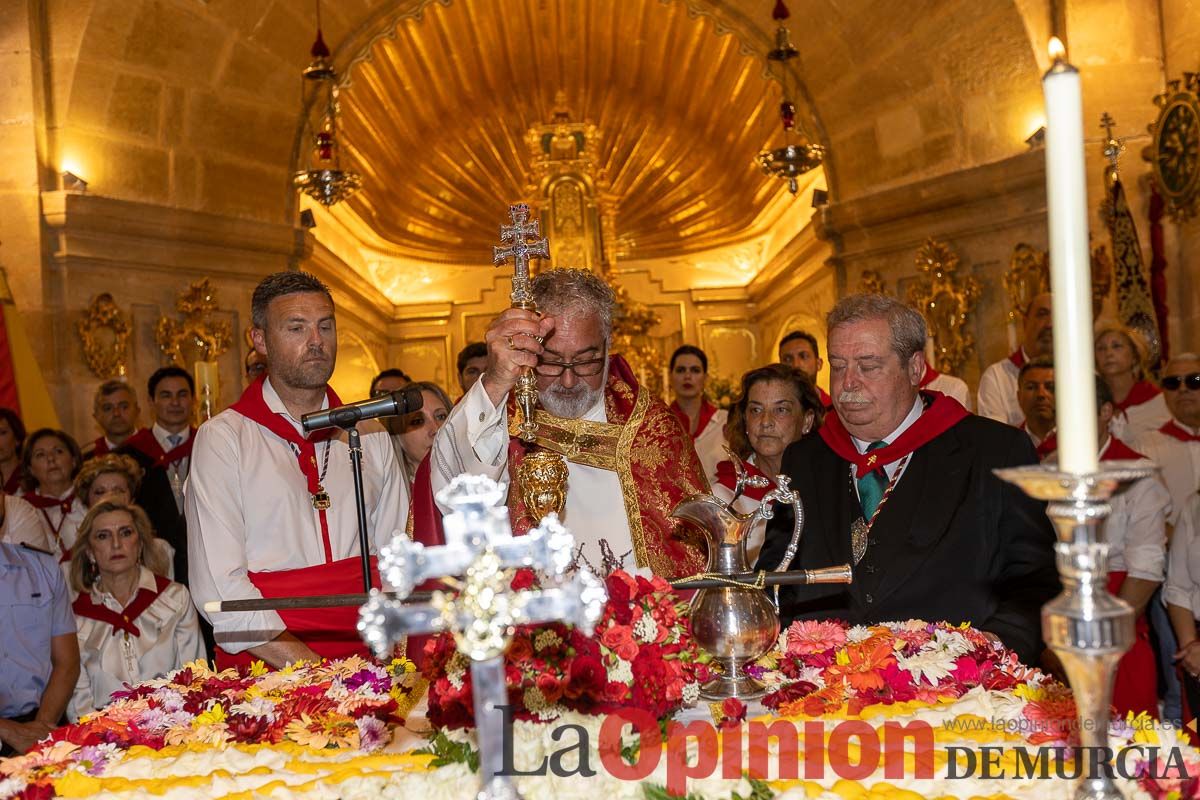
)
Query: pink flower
[{"x": 810, "y": 636}]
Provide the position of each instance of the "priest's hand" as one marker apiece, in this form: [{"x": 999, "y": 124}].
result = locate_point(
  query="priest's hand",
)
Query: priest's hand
[{"x": 514, "y": 342}]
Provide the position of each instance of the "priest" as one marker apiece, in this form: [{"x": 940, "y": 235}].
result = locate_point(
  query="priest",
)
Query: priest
[
  {"x": 899, "y": 483},
  {"x": 629, "y": 461},
  {"x": 271, "y": 511}
]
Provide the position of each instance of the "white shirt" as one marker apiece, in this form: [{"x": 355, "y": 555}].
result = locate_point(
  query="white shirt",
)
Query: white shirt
[
  {"x": 24, "y": 523},
  {"x": 951, "y": 387},
  {"x": 1183, "y": 571},
  {"x": 248, "y": 509},
  {"x": 1179, "y": 462},
  {"x": 170, "y": 638},
  {"x": 475, "y": 440},
  {"x": 890, "y": 468},
  {"x": 66, "y": 528},
  {"x": 998, "y": 393},
  {"x": 710, "y": 445},
  {"x": 1137, "y": 420}
]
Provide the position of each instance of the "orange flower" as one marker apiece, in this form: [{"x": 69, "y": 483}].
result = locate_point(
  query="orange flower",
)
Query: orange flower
[{"x": 862, "y": 662}]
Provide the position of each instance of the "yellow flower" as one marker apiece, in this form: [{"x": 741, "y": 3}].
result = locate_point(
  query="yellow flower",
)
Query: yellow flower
[
  {"x": 213, "y": 716},
  {"x": 334, "y": 730},
  {"x": 257, "y": 669},
  {"x": 842, "y": 657},
  {"x": 1144, "y": 731}
]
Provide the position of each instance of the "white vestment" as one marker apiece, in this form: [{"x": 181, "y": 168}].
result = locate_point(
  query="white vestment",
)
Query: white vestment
[
  {"x": 1140, "y": 419},
  {"x": 475, "y": 439},
  {"x": 169, "y": 638},
  {"x": 1179, "y": 462},
  {"x": 998, "y": 393},
  {"x": 951, "y": 387},
  {"x": 248, "y": 509}
]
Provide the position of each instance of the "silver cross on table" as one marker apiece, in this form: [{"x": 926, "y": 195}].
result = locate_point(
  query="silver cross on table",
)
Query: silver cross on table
[
  {"x": 480, "y": 546},
  {"x": 520, "y": 250}
]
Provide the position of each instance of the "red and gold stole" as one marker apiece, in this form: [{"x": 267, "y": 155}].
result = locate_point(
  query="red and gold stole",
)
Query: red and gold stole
[
  {"x": 125, "y": 621},
  {"x": 941, "y": 414}
]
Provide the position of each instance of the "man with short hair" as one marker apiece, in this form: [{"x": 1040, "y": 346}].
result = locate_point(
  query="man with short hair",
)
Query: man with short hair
[
  {"x": 998, "y": 386},
  {"x": 115, "y": 409},
  {"x": 39, "y": 662},
  {"x": 900, "y": 484},
  {"x": 1175, "y": 446},
  {"x": 628, "y": 459},
  {"x": 270, "y": 509},
  {"x": 389, "y": 381},
  {"x": 1035, "y": 396},
  {"x": 472, "y": 361},
  {"x": 799, "y": 350}
]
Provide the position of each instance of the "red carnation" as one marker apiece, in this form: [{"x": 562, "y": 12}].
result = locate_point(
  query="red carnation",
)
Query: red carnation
[
  {"x": 587, "y": 677},
  {"x": 523, "y": 579},
  {"x": 247, "y": 729},
  {"x": 550, "y": 686},
  {"x": 733, "y": 713},
  {"x": 618, "y": 590}
]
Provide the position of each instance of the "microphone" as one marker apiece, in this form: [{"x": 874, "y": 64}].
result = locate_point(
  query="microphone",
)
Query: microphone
[{"x": 393, "y": 404}]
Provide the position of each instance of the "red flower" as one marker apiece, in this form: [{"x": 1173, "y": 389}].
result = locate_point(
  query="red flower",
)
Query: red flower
[
  {"x": 649, "y": 678},
  {"x": 520, "y": 649},
  {"x": 733, "y": 713},
  {"x": 789, "y": 694},
  {"x": 587, "y": 677},
  {"x": 619, "y": 639},
  {"x": 523, "y": 579},
  {"x": 966, "y": 670},
  {"x": 247, "y": 729},
  {"x": 550, "y": 687},
  {"x": 615, "y": 692}
]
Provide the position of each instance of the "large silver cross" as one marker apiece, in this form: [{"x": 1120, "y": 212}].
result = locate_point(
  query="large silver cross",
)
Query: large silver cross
[
  {"x": 520, "y": 250},
  {"x": 482, "y": 616}
]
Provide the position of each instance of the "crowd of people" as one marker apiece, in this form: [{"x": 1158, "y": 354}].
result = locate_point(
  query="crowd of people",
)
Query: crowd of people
[{"x": 107, "y": 552}]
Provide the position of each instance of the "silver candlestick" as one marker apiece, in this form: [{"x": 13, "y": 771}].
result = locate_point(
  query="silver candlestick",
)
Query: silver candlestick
[{"x": 1086, "y": 626}]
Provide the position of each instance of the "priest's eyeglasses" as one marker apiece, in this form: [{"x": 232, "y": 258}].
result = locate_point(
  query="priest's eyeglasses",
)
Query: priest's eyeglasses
[
  {"x": 582, "y": 369},
  {"x": 1172, "y": 382}
]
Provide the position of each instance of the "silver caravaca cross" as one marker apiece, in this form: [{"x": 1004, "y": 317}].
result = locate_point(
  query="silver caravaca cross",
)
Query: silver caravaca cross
[{"x": 482, "y": 616}]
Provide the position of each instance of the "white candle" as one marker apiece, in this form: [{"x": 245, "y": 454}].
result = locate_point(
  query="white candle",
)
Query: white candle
[{"x": 1070, "y": 267}]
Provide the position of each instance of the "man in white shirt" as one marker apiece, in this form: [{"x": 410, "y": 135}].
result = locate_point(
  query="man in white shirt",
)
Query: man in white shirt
[
  {"x": 998, "y": 386},
  {"x": 629, "y": 461},
  {"x": 1175, "y": 446},
  {"x": 270, "y": 511},
  {"x": 901, "y": 486}
]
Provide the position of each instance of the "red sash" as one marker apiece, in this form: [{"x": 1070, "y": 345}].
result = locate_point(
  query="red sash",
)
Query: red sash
[
  {"x": 929, "y": 377},
  {"x": 707, "y": 410},
  {"x": 1141, "y": 392},
  {"x": 1017, "y": 357},
  {"x": 826, "y": 400},
  {"x": 13, "y": 484},
  {"x": 728, "y": 478},
  {"x": 1136, "y": 686},
  {"x": 100, "y": 446},
  {"x": 84, "y": 606},
  {"x": 44, "y": 504},
  {"x": 144, "y": 442},
  {"x": 331, "y": 632},
  {"x": 941, "y": 414},
  {"x": 1177, "y": 431},
  {"x": 252, "y": 406}
]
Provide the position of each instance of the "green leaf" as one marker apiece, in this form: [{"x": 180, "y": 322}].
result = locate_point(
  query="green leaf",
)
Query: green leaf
[{"x": 446, "y": 752}]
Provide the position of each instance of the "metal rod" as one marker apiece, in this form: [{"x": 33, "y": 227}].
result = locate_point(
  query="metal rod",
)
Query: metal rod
[{"x": 364, "y": 544}]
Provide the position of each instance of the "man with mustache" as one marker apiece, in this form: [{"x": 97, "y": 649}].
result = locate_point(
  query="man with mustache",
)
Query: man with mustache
[
  {"x": 998, "y": 386},
  {"x": 271, "y": 510},
  {"x": 629, "y": 461},
  {"x": 899, "y": 484}
]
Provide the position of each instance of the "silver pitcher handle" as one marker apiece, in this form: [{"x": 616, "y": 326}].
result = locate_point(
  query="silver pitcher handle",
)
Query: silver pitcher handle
[
  {"x": 783, "y": 493},
  {"x": 743, "y": 480}
]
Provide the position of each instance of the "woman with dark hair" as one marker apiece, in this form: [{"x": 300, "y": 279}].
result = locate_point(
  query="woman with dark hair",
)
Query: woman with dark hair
[
  {"x": 50, "y": 460},
  {"x": 699, "y": 417},
  {"x": 12, "y": 439},
  {"x": 777, "y": 406}
]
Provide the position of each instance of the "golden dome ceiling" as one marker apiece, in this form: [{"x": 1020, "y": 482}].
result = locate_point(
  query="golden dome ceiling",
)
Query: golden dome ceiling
[{"x": 435, "y": 120}]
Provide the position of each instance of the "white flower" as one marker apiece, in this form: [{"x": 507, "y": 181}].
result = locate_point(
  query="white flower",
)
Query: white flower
[
  {"x": 691, "y": 693},
  {"x": 950, "y": 643},
  {"x": 546, "y": 638},
  {"x": 538, "y": 705},
  {"x": 257, "y": 707},
  {"x": 456, "y": 668},
  {"x": 621, "y": 672},
  {"x": 646, "y": 629},
  {"x": 812, "y": 675},
  {"x": 857, "y": 634},
  {"x": 933, "y": 666}
]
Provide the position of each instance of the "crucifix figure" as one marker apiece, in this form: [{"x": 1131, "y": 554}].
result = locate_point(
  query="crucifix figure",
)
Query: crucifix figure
[
  {"x": 481, "y": 617},
  {"x": 520, "y": 250}
]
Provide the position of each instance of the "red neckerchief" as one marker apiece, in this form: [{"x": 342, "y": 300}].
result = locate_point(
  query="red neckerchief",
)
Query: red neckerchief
[
  {"x": 253, "y": 407},
  {"x": 13, "y": 484},
  {"x": 707, "y": 410},
  {"x": 728, "y": 478},
  {"x": 44, "y": 504},
  {"x": 1017, "y": 357},
  {"x": 84, "y": 606},
  {"x": 929, "y": 377},
  {"x": 826, "y": 400},
  {"x": 100, "y": 447},
  {"x": 1048, "y": 446},
  {"x": 145, "y": 443},
  {"x": 1177, "y": 431},
  {"x": 940, "y": 415},
  {"x": 1141, "y": 392}
]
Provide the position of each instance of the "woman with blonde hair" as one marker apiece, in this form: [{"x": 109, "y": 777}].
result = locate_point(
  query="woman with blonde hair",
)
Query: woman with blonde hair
[
  {"x": 116, "y": 478},
  {"x": 1122, "y": 357},
  {"x": 133, "y": 623}
]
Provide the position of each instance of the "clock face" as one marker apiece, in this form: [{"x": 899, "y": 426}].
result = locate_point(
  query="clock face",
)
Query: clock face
[{"x": 1177, "y": 142}]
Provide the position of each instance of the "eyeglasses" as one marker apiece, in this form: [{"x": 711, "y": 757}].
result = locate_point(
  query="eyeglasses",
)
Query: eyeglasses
[
  {"x": 1172, "y": 382},
  {"x": 582, "y": 369}
]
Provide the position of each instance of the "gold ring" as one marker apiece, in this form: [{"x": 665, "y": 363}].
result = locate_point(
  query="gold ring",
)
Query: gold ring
[
  {"x": 539, "y": 340},
  {"x": 511, "y": 346}
]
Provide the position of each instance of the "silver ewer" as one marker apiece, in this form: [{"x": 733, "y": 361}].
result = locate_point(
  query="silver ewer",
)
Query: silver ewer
[{"x": 1087, "y": 627}]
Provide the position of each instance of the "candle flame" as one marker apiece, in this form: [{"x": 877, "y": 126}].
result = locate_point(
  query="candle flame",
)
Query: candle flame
[{"x": 1056, "y": 49}]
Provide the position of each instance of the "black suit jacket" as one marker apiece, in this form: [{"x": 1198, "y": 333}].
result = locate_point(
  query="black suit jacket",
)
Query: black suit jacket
[
  {"x": 158, "y": 501},
  {"x": 953, "y": 541}
]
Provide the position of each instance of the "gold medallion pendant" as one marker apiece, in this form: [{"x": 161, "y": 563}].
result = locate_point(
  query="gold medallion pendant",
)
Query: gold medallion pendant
[
  {"x": 859, "y": 530},
  {"x": 321, "y": 500}
]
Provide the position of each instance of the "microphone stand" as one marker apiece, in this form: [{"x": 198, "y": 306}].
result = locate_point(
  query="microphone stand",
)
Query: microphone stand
[{"x": 360, "y": 501}]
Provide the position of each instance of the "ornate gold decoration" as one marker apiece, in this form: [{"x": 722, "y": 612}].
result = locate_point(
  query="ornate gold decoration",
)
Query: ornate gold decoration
[
  {"x": 104, "y": 332},
  {"x": 197, "y": 337},
  {"x": 1174, "y": 149},
  {"x": 1028, "y": 276},
  {"x": 870, "y": 282},
  {"x": 543, "y": 479},
  {"x": 946, "y": 300},
  {"x": 632, "y": 321}
]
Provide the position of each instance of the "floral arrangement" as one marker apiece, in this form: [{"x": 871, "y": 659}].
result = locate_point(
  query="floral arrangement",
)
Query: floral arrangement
[
  {"x": 330, "y": 704},
  {"x": 828, "y": 667},
  {"x": 642, "y": 655}
]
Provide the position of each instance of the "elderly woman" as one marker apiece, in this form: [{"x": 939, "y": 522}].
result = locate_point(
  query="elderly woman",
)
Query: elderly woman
[
  {"x": 703, "y": 421},
  {"x": 51, "y": 460},
  {"x": 133, "y": 623},
  {"x": 1121, "y": 358},
  {"x": 116, "y": 478},
  {"x": 413, "y": 434},
  {"x": 777, "y": 406}
]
